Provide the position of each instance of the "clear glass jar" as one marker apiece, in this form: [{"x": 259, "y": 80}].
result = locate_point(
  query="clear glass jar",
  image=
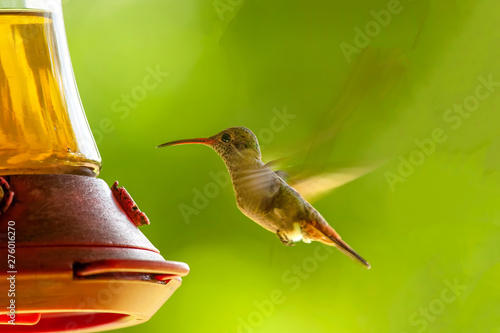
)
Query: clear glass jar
[{"x": 43, "y": 127}]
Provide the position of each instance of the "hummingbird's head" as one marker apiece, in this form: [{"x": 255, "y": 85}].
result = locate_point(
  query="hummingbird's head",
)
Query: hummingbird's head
[
  {"x": 232, "y": 144},
  {"x": 236, "y": 142}
]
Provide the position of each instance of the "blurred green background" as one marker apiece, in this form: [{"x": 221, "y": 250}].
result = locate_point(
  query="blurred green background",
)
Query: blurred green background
[{"x": 415, "y": 84}]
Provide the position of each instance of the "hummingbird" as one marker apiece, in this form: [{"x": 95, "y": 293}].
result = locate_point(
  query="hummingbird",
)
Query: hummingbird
[{"x": 265, "y": 197}]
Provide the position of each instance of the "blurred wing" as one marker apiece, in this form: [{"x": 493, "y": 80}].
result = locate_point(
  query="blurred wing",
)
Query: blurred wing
[
  {"x": 261, "y": 182},
  {"x": 315, "y": 187},
  {"x": 335, "y": 153}
]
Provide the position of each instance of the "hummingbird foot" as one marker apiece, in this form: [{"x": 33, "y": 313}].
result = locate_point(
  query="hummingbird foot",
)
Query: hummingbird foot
[{"x": 284, "y": 239}]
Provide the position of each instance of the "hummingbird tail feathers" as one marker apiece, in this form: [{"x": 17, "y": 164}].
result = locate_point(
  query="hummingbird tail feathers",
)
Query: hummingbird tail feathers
[
  {"x": 327, "y": 235},
  {"x": 347, "y": 250}
]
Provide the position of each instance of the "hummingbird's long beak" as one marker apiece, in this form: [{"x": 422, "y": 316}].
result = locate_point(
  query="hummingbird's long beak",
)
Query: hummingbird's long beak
[{"x": 202, "y": 141}]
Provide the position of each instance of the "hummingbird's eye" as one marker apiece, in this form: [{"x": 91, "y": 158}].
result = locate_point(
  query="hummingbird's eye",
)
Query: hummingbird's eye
[{"x": 226, "y": 137}]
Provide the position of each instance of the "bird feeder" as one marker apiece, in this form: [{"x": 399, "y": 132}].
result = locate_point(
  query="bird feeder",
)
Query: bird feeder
[{"x": 71, "y": 255}]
